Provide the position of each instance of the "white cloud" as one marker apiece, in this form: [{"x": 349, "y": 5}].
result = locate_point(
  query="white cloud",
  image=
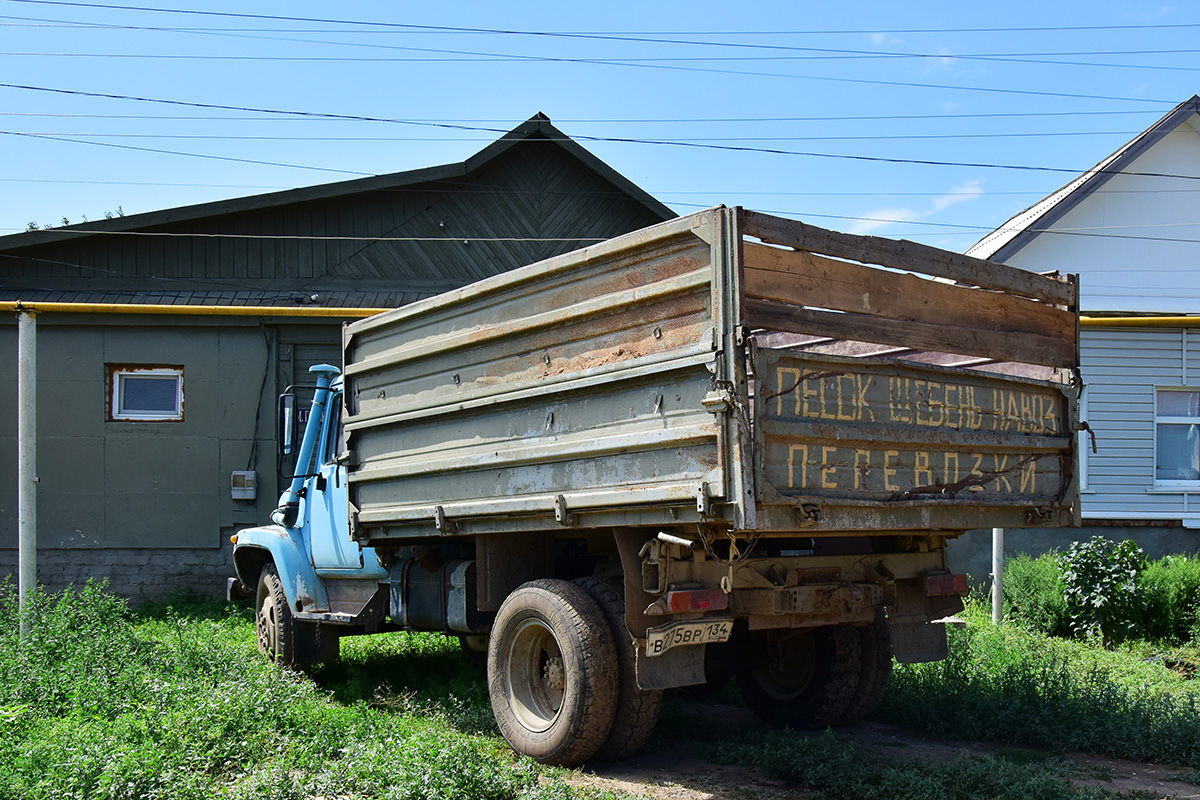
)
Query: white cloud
[
  {"x": 881, "y": 218},
  {"x": 873, "y": 220},
  {"x": 959, "y": 194}
]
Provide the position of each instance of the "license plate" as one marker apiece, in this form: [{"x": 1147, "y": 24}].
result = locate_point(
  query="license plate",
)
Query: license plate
[{"x": 701, "y": 631}]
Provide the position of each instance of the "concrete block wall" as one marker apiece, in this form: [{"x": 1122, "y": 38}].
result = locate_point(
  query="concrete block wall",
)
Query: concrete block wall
[
  {"x": 972, "y": 552},
  {"x": 137, "y": 574}
]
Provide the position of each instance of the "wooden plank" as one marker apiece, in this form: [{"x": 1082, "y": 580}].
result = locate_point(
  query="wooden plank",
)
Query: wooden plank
[
  {"x": 794, "y": 276},
  {"x": 1001, "y": 345},
  {"x": 905, "y": 255}
]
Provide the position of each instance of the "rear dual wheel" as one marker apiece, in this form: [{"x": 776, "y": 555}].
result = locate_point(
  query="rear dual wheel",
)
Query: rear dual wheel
[
  {"x": 553, "y": 673},
  {"x": 819, "y": 677},
  {"x": 801, "y": 679},
  {"x": 637, "y": 709}
]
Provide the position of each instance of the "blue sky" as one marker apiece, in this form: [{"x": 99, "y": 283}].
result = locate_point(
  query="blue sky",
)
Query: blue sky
[{"x": 932, "y": 121}]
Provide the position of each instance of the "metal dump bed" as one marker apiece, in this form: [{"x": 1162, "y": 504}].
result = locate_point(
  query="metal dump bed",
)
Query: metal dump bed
[{"x": 724, "y": 368}]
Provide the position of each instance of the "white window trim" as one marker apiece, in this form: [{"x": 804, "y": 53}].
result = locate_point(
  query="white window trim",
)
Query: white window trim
[
  {"x": 1171, "y": 485},
  {"x": 116, "y": 393}
]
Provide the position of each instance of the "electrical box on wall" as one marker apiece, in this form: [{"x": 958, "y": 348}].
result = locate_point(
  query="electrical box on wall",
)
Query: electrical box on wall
[{"x": 244, "y": 484}]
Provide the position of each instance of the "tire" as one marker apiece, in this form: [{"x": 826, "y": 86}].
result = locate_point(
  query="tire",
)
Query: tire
[
  {"x": 637, "y": 709},
  {"x": 273, "y": 619},
  {"x": 875, "y": 670},
  {"x": 552, "y": 673},
  {"x": 804, "y": 679}
]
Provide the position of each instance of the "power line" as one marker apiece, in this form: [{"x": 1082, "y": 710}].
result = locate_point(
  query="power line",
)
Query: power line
[
  {"x": 458, "y": 29},
  {"x": 615, "y": 120},
  {"x": 581, "y": 137},
  {"x": 962, "y": 228},
  {"x": 693, "y": 140},
  {"x": 623, "y": 62},
  {"x": 179, "y": 153}
]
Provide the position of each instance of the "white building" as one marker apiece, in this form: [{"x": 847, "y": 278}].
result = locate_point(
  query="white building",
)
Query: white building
[{"x": 1130, "y": 227}]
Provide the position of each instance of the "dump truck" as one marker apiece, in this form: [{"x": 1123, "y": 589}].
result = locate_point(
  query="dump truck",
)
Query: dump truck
[{"x": 726, "y": 446}]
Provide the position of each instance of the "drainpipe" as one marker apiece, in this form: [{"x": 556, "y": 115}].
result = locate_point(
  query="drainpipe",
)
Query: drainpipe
[{"x": 26, "y": 466}]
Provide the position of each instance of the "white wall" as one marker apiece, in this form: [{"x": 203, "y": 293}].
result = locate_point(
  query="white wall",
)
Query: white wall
[
  {"x": 1122, "y": 367},
  {"x": 1145, "y": 274}
]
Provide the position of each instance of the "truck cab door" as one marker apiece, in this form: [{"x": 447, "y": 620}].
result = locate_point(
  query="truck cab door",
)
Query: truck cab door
[
  {"x": 328, "y": 527},
  {"x": 326, "y": 508}
]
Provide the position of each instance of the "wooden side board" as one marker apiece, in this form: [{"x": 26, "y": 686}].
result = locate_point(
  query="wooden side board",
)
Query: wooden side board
[
  {"x": 960, "y": 313},
  {"x": 908, "y": 256}
]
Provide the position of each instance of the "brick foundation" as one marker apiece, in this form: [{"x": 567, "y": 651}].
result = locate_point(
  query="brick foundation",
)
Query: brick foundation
[{"x": 137, "y": 574}]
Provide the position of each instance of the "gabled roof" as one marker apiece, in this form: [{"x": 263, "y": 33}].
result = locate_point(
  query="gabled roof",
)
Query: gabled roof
[
  {"x": 1002, "y": 243},
  {"x": 536, "y": 127}
]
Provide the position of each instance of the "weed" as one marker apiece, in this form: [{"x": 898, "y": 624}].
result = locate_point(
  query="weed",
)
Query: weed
[
  {"x": 175, "y": 702},
  {"x": 1101, "y": 588},
  {"x": 1006, "y": 684},
  {"x": 1034, "y": 594},
  {"x": 842, "y": 769}
]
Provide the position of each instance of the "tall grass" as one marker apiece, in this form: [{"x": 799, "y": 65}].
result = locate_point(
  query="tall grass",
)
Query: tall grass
[
  {"x": 100, "y": 703},
  {"x": 841, "y": 769},
  {"x": 1009, "y": 684}
]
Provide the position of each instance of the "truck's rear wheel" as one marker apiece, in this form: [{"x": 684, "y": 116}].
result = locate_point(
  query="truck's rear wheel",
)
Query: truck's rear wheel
[
  {"x": 875, "y": 672},
  {"x": 802, "y": 679},
  {"x": 637, "y": 709},
  {"x": 552, "y": 673},
  {"x": 273, "y": 619}
]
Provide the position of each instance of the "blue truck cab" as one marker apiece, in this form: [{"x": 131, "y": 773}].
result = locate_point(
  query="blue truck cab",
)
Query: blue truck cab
[{"x": 310, "y": 581}]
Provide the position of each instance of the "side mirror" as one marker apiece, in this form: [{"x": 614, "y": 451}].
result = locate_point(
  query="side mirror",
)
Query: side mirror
[{"x": 287, "y": 423}]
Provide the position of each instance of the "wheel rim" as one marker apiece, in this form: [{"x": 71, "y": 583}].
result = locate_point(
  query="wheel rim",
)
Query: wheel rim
[
  {"x": 267, "y": 626},
  {"x": 535, "y": 675},
  {"x": 788, "y": 667}
]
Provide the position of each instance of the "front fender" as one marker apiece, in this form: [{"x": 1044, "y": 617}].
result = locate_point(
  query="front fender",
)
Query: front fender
[{"x": 304, "y": 590}]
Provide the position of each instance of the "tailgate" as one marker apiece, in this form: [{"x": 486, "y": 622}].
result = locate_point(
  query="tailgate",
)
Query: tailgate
[
  {"x": 860, "y": 433},
  {"x": 903, "y": 387}
]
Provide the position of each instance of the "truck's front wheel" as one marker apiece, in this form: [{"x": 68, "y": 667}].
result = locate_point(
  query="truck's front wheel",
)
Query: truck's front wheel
[
  {"x": 273, "y": 619},
  {"x": 552, "y": 673},
  {"x": 801, "y": 679}
]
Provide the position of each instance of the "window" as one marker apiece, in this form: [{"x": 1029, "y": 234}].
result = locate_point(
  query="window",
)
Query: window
[
  {"x": 1177, "y": 435},
  {"x": 145, "y": 393}
]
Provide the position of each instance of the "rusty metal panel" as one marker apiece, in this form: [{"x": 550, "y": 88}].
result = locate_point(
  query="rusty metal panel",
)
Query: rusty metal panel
[
  {"x": 569, "y": 387},
  {"x": 834, "y": 431}
]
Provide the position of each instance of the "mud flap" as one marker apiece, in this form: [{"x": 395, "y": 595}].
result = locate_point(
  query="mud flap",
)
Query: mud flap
[
  {"x": 914, "y": 641},
  {"x": 679, "y": 666},
  {"x": 316, "y": 642}
]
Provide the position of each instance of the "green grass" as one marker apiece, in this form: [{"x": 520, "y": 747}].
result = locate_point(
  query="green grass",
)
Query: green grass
[
  {"x": 177, "y": 703},
  {"x": 842, "y": 769},
  {"x": 1008, "y": 684}
]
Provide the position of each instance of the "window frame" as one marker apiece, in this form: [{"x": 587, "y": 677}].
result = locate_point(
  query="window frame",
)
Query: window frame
[
  {"x": 118, "y": 373},
  {"x": 1164, "y": 419}
]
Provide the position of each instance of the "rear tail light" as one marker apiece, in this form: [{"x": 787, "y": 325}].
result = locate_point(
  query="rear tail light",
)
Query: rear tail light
[
  {"x": 945, "y": 583},
  {"x": 682, "y": 600}
]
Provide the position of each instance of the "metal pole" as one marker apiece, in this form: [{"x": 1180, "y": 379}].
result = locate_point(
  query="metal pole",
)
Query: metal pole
[
  {"x": 997, "y": 575},
  {"x": 26, "y": 464}
]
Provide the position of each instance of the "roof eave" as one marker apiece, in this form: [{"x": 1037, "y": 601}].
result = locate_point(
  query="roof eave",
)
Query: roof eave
[
  {"x": 538, "y": 125},
  {"x": 1079, "y": 188}
]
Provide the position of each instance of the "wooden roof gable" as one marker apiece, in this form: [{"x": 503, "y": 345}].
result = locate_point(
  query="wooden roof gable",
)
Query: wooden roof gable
[{"x": 384, "y": 240}]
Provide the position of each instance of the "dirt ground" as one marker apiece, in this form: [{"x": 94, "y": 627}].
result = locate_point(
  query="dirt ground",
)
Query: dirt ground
[{"x": 678, "y": 770}]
